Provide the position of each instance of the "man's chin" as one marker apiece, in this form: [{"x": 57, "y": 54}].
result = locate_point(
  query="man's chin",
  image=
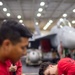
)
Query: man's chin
[{"x": 14, "y": 61}]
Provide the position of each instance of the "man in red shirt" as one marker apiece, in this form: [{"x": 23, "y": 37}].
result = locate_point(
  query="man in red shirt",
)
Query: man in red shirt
[
  {"x": 13, "y": 42},
  {"x": 65, "y": 66}
]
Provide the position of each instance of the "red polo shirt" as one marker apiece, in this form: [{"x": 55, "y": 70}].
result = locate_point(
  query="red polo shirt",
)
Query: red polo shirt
[
  {"x": 4, "y": 69},
  {"x": 66, "y": 66}
]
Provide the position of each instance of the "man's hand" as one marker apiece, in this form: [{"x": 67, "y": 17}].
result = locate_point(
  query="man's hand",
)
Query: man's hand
[{"x": 12, "y": 68}]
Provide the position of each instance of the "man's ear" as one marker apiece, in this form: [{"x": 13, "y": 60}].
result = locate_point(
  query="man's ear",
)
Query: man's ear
[{"x": 6, "y": 43}]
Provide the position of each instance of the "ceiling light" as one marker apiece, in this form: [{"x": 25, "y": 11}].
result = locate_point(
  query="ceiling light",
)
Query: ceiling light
[
  {"x": 74, "y": 10},
  {"x": 48, "y": 24},
  {"x": 19, "y": 16},
  {"x": 1, "y": 3},
  {"x": 8, "y": 14},
  {"x": 5, "y": 9},
  {"x": 20, "y": 21},
  {"x": 50, "y": 21},
  {"x": 73, "y": 22},
  {"x": 39, "y": 14},
  {"x": 64, "y": 15},
  {"x": 42, "y": 3},
  {"x": 36, "y": 23},
  {"x": 40, "y": 9}
]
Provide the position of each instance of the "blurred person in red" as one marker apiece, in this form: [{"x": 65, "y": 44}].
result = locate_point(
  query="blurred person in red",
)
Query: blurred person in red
[{"x": 65, "y": 66}]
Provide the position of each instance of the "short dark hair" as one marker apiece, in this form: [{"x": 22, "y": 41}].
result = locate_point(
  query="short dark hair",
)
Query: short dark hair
[
  {"x": 43, "y": 67},
  {"x": 13, "y": 31}
]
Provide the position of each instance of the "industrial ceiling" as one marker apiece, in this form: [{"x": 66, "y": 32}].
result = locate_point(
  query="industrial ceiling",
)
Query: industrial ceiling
[{"x": 28, "y": 10}]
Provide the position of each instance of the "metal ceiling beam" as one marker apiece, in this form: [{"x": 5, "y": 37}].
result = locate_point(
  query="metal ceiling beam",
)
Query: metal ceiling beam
[
  {"x": 8, "y": 7},
  {"x": 57, "y": 7}
]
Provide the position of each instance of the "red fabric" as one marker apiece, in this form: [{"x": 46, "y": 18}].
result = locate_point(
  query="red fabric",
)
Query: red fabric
[
  {"x": 4, "y": 69},
  {"x": 45, "y": 44},
  {"x": 19, "y": 67},
  {"x": 66, "y": 66}
]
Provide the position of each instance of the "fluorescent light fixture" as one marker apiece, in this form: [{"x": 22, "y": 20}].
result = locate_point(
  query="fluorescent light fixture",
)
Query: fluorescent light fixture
[
  {"x": 48, "y": 24},
  {"x": 74, "y": 10},
  {"x": 39, "y": 14},
  {"x": 73, "y": 22},
  {"x": 20, "y": 21},
  {"x": 50, "y": 21},
  {"x": 36, "y": 23},
  {"x": 42, "y": 3},
  {"x": 4, "y": 9},
  {"x": 64, "y": 15},
  {"x": 1, "y": 3},
  {"x": 40, "y": 9},
  {"x": 19, "y": 16},
  {"x": 8, "y": 14}
]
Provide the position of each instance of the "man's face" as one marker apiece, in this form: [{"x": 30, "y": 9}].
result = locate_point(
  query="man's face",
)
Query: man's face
[
  {"x": 51, "y": 70},
  {"x": 18, "y": 50}
]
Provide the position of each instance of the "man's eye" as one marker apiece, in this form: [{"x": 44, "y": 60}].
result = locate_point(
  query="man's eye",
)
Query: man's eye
[{"x": 23, "y": 47}]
